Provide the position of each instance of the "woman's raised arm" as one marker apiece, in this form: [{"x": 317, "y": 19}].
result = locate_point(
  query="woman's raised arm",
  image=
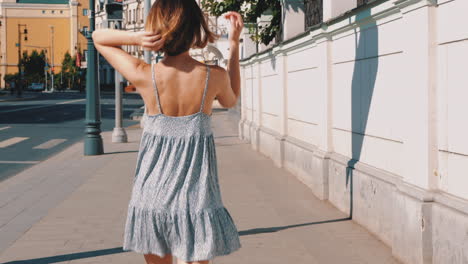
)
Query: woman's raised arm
[
  {"x": 108, "y": 42},
  {"x": 230, "y": 84}
]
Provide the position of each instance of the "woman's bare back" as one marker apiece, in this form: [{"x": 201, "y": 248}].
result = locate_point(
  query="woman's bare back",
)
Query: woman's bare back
[{"x": 180, "y": 85}]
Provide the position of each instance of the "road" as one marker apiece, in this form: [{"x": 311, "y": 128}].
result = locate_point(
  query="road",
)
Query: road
[{"x": 33, "y": 130}]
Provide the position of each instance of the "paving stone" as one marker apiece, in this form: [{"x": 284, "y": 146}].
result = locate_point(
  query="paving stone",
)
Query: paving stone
[{"x": 278, "y": 217}]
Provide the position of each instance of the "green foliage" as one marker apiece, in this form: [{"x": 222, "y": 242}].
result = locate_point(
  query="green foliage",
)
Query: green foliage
[
  {"x": 10, "y": 77},
  {"x": 250, "y": 11},
  {"x": 33, "y": 66},
  {"x": 70, "y": 72},
  {"x": 34, "y": 70}
]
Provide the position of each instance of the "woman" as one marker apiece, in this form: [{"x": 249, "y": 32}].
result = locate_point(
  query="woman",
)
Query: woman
[{"x": 176, "y": 207}]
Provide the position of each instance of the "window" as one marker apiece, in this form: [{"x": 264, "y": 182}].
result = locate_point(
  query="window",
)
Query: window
[
  {"x": 85, "y": 30},
  {"x": 313, "y": 13},
  {"x": 43, "y": 11},
  {"x": 61, "y": 11},
  {"x": 85, "y": 12},
  {"x": 53, "y": 11},
  {"x": 85, "y": 55}
]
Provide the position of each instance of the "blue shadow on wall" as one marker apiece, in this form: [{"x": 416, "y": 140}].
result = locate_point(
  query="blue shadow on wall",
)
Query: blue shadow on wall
[{"x": 362, "y": 87}]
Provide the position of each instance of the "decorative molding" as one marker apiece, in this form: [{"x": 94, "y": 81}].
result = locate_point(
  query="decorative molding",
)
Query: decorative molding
[
  {"x": 405, "y": 188},
  {"x": 451, "y": 201},
  {"x": 34, "y": 6},
  {"x": 336, "y": 26}
]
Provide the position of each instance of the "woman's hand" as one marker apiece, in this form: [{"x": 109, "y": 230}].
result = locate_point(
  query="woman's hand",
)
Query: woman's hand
[
  {"x": 149, "y": 40},
  {"x": 236, "y": 26}
]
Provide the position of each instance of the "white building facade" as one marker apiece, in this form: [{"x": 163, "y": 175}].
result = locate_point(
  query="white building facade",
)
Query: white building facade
[
  {"x": 369, "y": 110},
  {"x": 108, "y": 15},
  {"x": 215, "y": 53}
]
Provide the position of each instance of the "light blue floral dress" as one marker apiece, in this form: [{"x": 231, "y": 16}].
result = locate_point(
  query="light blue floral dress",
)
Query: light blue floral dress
[{"x": 176, "y": 206}]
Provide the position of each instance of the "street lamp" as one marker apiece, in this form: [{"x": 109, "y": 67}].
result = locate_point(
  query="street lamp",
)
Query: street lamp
[
  {"x": 118, "y": 135},
  {"x": 93, "y": 141},
  {"x": 52, "y": 66},
  {"x": 19, "y": 87}
]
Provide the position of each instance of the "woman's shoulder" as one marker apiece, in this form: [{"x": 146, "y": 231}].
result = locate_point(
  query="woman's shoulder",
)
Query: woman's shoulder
[
  {"x": 217, "y": 71},
  {"x": 217, "y": 68}
]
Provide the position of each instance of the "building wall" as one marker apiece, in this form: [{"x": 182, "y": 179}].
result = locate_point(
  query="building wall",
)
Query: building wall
[
  {"x": 369, "y": 113},
  {"x": 39, "y": 34},
  {"x": 37, "y": 18},
  {"x": 133, "y": 20},
  {"x": 83, "y": 21}
]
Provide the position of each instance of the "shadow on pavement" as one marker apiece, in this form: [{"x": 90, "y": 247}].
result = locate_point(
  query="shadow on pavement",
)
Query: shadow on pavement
[
  {"x": 279, "y": 228},
  {"x": 117, "y": 250},
  {"x": 68, "y": 257},
  {"x": 120, "y": 152}
]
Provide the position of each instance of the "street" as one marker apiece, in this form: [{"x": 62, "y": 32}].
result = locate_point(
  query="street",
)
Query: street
[{"x": 33, "y": 130}]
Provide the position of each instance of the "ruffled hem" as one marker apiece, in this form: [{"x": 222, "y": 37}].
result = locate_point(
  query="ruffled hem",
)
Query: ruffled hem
[{"x": 189, "y": 236}]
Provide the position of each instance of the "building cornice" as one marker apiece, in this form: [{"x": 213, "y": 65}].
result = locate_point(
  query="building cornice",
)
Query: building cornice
[
  {"x": 35, "y": 6},
  {"x": 380, "y": 11}
]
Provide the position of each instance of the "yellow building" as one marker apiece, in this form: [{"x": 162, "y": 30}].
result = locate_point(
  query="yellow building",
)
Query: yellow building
[{"x": 51, "y": 25}]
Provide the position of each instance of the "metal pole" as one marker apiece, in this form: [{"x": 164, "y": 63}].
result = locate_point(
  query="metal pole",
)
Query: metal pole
[
  {"x": 45, "y": 75},
  {"x": 52, "y": 66},
  {"x": 146, "y": 54},
  {"x": 147, "y": 6},
  {"x": 93, "y": 141},
  {"x": 19, "y": 62},
  {"x": 118, "y": 135},
  {"x": 20, "y": 67}
]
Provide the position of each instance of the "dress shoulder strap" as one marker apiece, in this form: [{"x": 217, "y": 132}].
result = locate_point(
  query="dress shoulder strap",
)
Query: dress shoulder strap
[
  {"x": 155, "y": 87},
  {"x": 206, "y": 86}
]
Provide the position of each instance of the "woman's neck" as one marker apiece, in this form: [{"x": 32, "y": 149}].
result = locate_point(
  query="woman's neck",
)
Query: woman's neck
[{"x": 182, "y": 57}]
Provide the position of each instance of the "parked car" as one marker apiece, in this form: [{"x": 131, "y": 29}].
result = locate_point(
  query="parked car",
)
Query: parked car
[{"x": 36, "y": 87}]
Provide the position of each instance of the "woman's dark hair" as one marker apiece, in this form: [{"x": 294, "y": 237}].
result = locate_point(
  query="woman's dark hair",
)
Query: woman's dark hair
[{"x": 182, "y": 23}]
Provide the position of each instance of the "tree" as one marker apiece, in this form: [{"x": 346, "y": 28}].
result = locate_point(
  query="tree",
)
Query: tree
[
  {"x": 33, "y": 66},
  {"x": 9, "y": 78},
  {"x": 70, "y": 71},
  {"x": 250, "y": 11}
]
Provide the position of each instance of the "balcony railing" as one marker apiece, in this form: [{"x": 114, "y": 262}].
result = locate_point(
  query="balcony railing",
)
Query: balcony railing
[{"x": 314, "y": 12}]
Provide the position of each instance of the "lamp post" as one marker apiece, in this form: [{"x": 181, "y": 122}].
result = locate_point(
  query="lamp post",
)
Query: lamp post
[
  {"x": 146, "y": 53},
  {"x": 52, "y": 66},
  {"x": 118, "y": 134},
  {"x": 19, "y": 87},
  {"x": 93, "y": 141},
  {"x": 147, "y": 7}
]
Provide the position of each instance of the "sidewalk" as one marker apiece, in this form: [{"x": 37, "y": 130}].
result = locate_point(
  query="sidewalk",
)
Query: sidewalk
[{"x": 72, "y": 208}]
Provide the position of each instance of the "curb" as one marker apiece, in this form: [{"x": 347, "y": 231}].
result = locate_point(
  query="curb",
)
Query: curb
[{"x": 19, "y": 99}]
